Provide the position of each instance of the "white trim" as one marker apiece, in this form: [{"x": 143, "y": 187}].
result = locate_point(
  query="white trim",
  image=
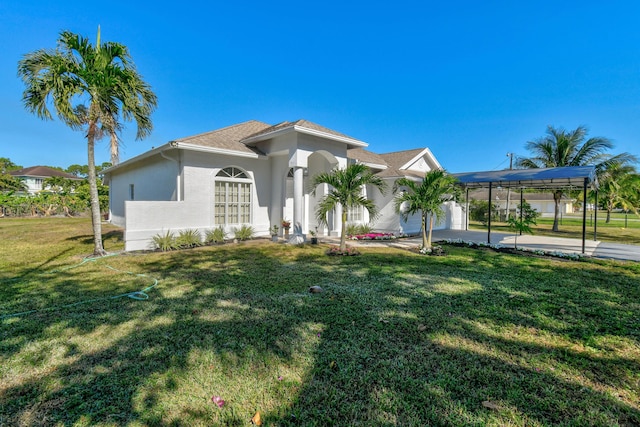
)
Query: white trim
[
  {"x": 193, "y": 147},
  {"x": 181, "y": 145},
  {"x": 302, "y": 129},
  {"x": 424, "y": 152},
  {"x": 373, "y": 165}
]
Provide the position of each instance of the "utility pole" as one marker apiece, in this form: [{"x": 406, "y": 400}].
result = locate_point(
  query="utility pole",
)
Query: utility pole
[{"x": 510, "y": 155}]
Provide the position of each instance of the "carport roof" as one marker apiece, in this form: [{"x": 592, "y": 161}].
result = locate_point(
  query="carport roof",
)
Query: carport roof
[{"x": 568, "y": 176}]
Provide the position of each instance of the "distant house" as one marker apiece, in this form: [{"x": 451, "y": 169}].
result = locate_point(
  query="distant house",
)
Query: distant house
[
  {"x": 34, "y": 177},
  {"x": 542, "y": 202},
  {"x": 256, "y": 174}
]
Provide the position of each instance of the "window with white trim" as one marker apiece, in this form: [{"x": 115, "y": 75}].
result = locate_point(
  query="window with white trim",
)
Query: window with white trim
[
  {"x": 354, "y": 214},
  {"x": 232, "y": 197}
]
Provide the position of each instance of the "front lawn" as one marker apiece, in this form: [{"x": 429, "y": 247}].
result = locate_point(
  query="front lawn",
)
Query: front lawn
[{"x": 396, "y": 338}]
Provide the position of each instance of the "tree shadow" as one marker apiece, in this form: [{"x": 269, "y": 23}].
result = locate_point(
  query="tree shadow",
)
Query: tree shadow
[{"x": 398, "y": 343}]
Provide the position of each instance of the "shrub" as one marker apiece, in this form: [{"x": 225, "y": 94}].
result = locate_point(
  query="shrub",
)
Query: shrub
[
  {"x": 245, "y": 232},
  {"x": 189, "y": 239},
  {"x": 217, "y": 235},
  {"x": 335, "y": 251},
  {"x": 165, "y": 242},
  {"x": 356, "y": 229},
  {"x": 479, "y": 210},
  {"x": 365, "y": 229}
]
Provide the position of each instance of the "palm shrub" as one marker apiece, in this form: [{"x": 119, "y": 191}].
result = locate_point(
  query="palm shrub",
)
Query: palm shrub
[
  {"x": 352, "y": 229},
  {"x": 189, "y": 239},
  {"x": 165, "y": 242},
  {"x": 346, "y": 190},
  {"x": 217, "y": 235},
  {"x": 245, "y": 232},
  {"x": 425, "y": 197}
]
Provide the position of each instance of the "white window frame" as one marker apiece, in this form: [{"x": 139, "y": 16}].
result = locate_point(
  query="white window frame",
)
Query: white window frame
[{"x": 232, "y": 197}]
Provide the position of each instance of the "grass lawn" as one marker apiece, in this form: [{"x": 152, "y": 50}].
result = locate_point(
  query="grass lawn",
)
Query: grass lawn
[
  {"x": 396, "y": 339},
  {"x": 571, "y": 227}
]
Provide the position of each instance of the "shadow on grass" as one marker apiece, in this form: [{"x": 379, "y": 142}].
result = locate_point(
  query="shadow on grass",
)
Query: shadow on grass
[{"x": 395, "y": 339}]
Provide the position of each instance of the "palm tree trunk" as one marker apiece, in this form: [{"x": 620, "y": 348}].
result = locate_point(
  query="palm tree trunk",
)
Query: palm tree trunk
[
  {"x": 343, "y": 232},
  {"x": 115, "y": 151},
  {"x": 425, "y": 243},
  {"x": 430, "y": 230},
  {"x": 556, "y": 215},
  {"x": 98, "y": 249}
]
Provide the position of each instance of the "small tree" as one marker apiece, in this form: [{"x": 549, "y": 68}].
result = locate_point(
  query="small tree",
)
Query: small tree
[
  {"x": 425, "y": 197},
  {"x": 346, "y": 190},
  {"x": 521, "y": 223}
]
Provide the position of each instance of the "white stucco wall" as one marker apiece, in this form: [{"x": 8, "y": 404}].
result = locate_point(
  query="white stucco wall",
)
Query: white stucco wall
[
  {"x": 152, "y": 179},
  {"x": 145, "y": 219}
]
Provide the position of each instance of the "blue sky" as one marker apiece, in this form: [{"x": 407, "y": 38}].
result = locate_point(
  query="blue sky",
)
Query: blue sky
[{"x": 470, "y": 80}]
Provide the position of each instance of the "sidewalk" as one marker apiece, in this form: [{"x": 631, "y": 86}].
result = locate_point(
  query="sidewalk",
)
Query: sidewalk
[
  {"x": 596, "y": 249},
  {"x": 593, "y": 248}
]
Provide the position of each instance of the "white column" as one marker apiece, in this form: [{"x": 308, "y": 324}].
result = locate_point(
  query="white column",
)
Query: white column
[{"x": 298, "y": 200}]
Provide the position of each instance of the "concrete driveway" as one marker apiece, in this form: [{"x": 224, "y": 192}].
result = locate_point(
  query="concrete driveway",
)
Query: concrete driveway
[{"x": 593, "y": 248}]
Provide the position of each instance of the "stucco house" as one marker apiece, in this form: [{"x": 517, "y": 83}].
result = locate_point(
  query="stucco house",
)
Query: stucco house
[
  {"x": 34, "y": 177},
  {"x": 257, "y": 174},
  {"x": 542, "y": 202}
]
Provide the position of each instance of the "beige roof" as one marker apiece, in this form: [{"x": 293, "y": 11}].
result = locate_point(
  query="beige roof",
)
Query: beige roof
[
  {"x": 301, "y": 124},
  {"x": 398, "y": 159},
  {"x": 41, "y": 172},
  {"x": 227, "y": 138},
  {"x": 365, "y": 156}
]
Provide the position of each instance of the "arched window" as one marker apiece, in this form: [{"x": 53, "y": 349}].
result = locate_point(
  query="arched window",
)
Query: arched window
[{"x": 232, "y": 203}]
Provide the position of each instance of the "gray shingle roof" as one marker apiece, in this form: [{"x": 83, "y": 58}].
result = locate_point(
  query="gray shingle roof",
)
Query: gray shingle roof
[
  {"x": 397, "y": 159},
  {"x": 41, "y": 172},
  {"x": 365, "y": 156},
  {"x": 227, "y": 138}
]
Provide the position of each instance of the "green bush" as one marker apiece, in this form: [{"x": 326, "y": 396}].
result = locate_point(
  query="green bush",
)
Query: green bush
[
  {"x": 165, "y": 242},
  {"x": 357, "y": 229},
  {"x": 189, "y": 239},
  {"x": 479, "y": 210},
  {"x": 217, "y": 235},
  {"x": 245, "y": 232}
]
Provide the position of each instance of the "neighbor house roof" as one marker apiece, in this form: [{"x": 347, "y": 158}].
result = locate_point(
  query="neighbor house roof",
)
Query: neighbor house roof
[
  {"x": 41, "y": 172},
  {"x": 302, "y": 126}
]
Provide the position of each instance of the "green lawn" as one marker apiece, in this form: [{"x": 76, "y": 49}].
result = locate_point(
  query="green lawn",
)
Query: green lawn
[
  {"x": 397, "y": 339},
  {"x": 571, "y": 227}
]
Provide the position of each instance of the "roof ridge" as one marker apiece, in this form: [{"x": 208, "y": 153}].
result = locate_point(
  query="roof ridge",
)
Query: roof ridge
[{"x": 220, "y": 130}]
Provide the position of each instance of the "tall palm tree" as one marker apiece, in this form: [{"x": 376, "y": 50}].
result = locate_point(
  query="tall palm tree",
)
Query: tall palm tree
[
  {"x": 101, "y": 79},
  {"x": 561, "y": 148},
  {"x": 346, "y": 191},
  {"x": 425, "y": 197}
]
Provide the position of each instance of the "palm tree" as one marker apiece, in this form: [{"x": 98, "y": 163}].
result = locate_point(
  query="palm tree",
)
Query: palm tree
[
  {"x": 425, "y": 197},
  {"x": 618, "y": 187},
  {"x": 560, "y": 148},
  {"x": 100, "y": 79},
  {"x": 346, "y": 191}
]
